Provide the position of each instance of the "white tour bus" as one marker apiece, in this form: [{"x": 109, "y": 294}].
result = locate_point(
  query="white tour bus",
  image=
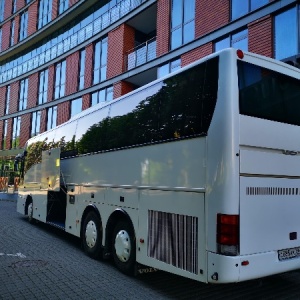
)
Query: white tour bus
[{"x": 199, "y": 175}]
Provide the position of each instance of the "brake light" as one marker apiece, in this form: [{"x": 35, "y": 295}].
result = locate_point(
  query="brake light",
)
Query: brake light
[{"x": 228, "y": 235}]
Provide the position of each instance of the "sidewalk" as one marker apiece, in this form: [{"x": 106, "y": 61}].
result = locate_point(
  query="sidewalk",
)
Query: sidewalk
[{"x": 9, "y": 196}]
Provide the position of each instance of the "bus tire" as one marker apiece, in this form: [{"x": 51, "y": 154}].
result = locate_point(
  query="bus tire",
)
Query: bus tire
[
  {"x": 92, "y": 235},
  {"x": 124, "y": 248},
  {"x": 30, "y": 212}
]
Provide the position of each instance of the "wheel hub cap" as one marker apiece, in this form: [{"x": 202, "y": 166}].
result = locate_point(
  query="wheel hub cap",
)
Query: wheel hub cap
[
  {"x": 30, "y": 210},
  {"x": 91, "y": 234},
  {"x": 123, "y": 245}
]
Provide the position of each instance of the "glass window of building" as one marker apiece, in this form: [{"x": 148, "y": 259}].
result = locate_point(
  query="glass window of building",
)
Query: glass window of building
[
  {"x": 4, "y": 136},
  {"x": 60, "y": 79},
  {"x": 100, "y": 61},
  {"x": 182, "y": 22},
  {"x": 12, "y": 32},
  {"x": 16, "y": 132},
  {"x": 51, "y": 117},
  {"x": 242, "y": 7},
  {"x": 35, "y": 123},
  {"x": 14, "y": 6},
  {"x": 43, "y": 87},
  {"x": 102, "y": 95},
  {"x": 286, "y": 34},
  {"x": 169, "y": 68},
  {"x": 45, "y": 12},
  {"x": 237, "y": 40},
  {"x": 23, "y": 25},
  {"x": 7, "y": 100},
  {"x": 79, "y": 30},
  {"x": 23, "y": 94},
  {"x": 81, "y": 70},
  {"x": 76, "y": 106},
  {"x": 2, "y": 2},
  {"x": 63, "y": 5}
]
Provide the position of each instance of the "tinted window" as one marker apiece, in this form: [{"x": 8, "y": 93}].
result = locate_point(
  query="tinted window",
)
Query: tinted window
[
  {"x": 179, "y": 107},
  {"x": 268, "y": 95}
]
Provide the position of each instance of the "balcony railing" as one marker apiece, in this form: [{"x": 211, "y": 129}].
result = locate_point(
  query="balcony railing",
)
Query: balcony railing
[
  {"x": 14, "y": 69},
  {"x": 141, "y": 54}
]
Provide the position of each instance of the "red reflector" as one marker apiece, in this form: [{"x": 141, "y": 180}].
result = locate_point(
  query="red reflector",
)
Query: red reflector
[
  {"x": 245, "y": 263},
  {"x": 240, "y": 54}
]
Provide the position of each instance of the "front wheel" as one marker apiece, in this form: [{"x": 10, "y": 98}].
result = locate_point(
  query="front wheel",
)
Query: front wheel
[
  {"x": 92, "y": 235},
  {"x": 124, "y": 248}
]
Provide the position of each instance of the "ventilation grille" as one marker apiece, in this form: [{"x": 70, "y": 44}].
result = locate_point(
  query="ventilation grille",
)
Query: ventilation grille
[
  {"x": 253, "y": 191},
  {"x": 173, "y": 239}
]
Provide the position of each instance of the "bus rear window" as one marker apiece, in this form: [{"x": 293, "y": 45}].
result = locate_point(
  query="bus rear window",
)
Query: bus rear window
[{"x": 268, "y": 95}]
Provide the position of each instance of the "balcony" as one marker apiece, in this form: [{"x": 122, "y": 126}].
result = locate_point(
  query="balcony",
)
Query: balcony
[{"x": 141, "y": 54}]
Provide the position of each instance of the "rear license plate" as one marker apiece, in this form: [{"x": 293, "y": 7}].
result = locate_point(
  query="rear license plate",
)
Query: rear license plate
[{"x": 288, "y": 253}]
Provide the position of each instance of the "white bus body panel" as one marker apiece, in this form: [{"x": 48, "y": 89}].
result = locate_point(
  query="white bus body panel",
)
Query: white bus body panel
[
  {"x": 170, "y": 167},
  {"x": 165, "y": 245},
  {"x": 167, "y": 165}
]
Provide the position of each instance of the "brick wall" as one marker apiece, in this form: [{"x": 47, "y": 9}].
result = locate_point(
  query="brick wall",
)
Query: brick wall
[
  {"x": 72, "y": 2},
  {"x": 7, "y": 9},
  {"x": 51, "y": 79},
  {"x": 9, "y": 133},
  {"x": 43, "y": 120},
  {"x": 72, "y": 70},
  {"x": 3, "y": 100},
  {"x": 163, "y": 27},
  {"x": 1, "y": 134},
  {"x": 5, "y": 35},
  {"x": 25, "y": 129},
  {"x": 196, "y": 54},
  {"x": 32, "y": 18},
  {"x": 121, "y": 88},
  {"x": 20, "y": 4},
  {"x": 54, "y": 12},
  {"x": 86, "y": 101},
  {"x": 63, "y": 112},
  {"x": 260, "y": 36},
  {"x": 14, "y": 97},
  {"x": 16, "y": 31},
  {"x": 88, "y": 69},
  {"x": 120, "y": 41},
  {"x": 210, "y": 15},
  {"x": 33, "y": 81}
]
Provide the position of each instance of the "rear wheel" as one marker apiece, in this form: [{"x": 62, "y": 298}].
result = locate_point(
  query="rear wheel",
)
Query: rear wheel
[
  {"x": 124, "y": 247},
  {"x": 92, "y": 235},
  {"x": 30, "y": 212}
]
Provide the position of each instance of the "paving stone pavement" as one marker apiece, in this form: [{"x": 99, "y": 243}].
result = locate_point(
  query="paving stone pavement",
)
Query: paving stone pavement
[{"x": 41, "y": 262}]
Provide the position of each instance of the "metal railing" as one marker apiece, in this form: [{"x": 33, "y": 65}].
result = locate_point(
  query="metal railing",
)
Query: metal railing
[
  {"x": 141, "y": 54},
  {"x": 115, "y": 13}
]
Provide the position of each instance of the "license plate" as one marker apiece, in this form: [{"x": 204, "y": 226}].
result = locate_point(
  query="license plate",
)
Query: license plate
[{"x": 290, "y": 253}]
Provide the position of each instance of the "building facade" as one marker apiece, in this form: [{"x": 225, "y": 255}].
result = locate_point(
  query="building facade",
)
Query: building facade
[{"x": 59, "y": 57}]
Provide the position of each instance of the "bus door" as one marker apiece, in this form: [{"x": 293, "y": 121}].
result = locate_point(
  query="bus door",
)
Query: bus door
[{"x": 56, "y": 198}]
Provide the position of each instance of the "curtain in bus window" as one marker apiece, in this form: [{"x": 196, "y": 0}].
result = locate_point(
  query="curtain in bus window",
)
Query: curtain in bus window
[{"x": 268, "y": 95}]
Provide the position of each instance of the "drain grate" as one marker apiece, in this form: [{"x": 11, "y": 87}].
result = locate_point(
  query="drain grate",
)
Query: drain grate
[{"x": 29, "y": 264}]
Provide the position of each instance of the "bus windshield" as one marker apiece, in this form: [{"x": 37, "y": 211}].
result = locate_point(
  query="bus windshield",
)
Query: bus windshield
[{"x": 268, "y": 94}]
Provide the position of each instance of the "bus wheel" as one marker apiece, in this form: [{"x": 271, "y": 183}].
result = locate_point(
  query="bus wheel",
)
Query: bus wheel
[
  {"x": 30, "y": 212},
  {"x": 124, "y": 247},
  {"x": 92, "y": 235}
]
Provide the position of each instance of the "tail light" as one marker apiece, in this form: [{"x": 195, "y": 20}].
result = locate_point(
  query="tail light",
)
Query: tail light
[{"x": 228, "y": 234}]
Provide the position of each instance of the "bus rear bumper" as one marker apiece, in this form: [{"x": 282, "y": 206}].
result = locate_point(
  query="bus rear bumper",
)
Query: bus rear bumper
[{"x": 226, "y": 269}]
